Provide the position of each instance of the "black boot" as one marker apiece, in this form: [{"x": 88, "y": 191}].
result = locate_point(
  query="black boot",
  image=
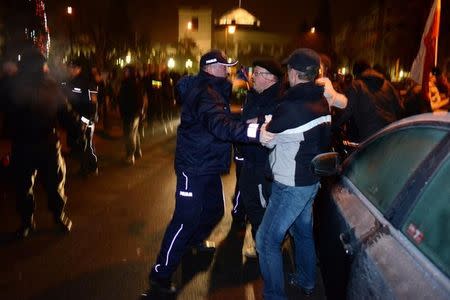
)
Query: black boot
[
  {"x": 63, "y": 222},
  {"x": 28, "y": 226},
  {"x": 160, "y": 289}
]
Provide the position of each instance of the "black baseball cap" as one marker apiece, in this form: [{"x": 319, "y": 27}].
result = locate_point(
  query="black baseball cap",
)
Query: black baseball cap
[
  {"x": 304, "y": 60},
  {"x": 270, "y": 65},
  {"x": 216, "y": 57}
]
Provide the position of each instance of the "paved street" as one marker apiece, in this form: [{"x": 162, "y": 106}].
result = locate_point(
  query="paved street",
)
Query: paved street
[{"x": 119, "y": 219}]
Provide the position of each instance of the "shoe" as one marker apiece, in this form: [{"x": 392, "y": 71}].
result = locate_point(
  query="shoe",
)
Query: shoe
[
  {"x": 159, "y": 288},
  {"x": 307, "y": 292},
  {"x": 88, "y": 172},
  {"x": 138, "y": 154},
  {"x": 64, "y": 223},
  {"x": 26, "y": 229},
  {"x": 129, "y": 160},
  {"x": 292, "y": 281},
  {"x": 251, "y": 253},
  {"x": 204, "y": 247}
]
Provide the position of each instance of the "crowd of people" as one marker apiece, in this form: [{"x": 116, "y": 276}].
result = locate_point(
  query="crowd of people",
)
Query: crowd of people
[
  {"x": 289, "y": 116},
  {"x": 34, "y": 106}
]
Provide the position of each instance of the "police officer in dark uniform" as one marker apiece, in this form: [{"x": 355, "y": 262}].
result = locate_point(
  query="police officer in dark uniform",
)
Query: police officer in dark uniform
[
  {"x": 36, "y": 104},
  {"x": 82, "y": 95},
  {"x": 203, "y": 152}
]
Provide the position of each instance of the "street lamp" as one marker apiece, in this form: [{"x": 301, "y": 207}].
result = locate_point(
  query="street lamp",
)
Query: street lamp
[
  {"x": 128, "y": 58},
  {"x": 313, "y": 30},
  {"x": 171, "y": 63},
  {"x": 229, "y": 29},
  {"x": 188, "y": 64},
  {"x": 69, "y": 13}
]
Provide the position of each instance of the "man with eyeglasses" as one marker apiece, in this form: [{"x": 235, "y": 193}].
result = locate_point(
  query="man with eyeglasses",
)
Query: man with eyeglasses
[
  {"x": 203, "y": 153},
  {"x": 254, "y": 182}
]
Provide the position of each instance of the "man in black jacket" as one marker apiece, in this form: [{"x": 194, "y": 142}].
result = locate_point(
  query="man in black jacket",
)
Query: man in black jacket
[
  {"x": 36, "y": 104},
  {"x": 203, "y": 153},
  {"x": 373, "y": 103},
  {"x": 302, "y": 123},
  {"x": 254, "y": 184}
]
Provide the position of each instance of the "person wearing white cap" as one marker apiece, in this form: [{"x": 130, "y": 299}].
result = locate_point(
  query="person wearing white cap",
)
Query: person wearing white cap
[{"x": 203, "y": 153}]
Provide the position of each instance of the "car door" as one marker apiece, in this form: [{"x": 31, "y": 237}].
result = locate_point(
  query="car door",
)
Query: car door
[{"x": 353, "y": 228}]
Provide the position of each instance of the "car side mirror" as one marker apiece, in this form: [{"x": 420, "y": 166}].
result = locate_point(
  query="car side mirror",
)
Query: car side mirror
[{"x": 326, "y": 164}]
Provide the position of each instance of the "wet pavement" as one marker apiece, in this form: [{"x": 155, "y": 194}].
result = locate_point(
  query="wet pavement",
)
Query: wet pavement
[{"x": 119, "y": 218}]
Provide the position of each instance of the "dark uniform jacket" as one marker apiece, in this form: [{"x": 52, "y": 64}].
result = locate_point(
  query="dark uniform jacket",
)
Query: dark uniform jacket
[
  {"x": 78, "y": 91},
  {"x": 206, "y": 128}
]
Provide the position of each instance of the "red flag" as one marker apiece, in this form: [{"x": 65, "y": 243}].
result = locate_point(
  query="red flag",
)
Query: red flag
[{"x": 427, "y": 56}]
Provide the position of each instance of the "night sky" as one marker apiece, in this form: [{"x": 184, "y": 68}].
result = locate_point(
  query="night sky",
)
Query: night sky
[
  {"x": 278, "y": 16},
  {"x": 157, "y": 19}
]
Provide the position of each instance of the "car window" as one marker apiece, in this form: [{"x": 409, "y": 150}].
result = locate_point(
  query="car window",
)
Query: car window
[
  {"x": 428, "y": 225},
  {"x": 381, "y": 169}
]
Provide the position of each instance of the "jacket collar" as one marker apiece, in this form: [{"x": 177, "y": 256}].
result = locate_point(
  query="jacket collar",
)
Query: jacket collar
[
  {"x": 305, "y": 91},
  {"x": 219, "y": 84}
]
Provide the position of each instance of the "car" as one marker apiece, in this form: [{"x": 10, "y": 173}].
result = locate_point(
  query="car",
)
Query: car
[{"x": 382, "y": 220}]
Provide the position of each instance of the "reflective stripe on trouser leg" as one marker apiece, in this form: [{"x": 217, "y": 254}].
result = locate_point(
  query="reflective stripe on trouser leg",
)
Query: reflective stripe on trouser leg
[{"x": 181, "y": 228}]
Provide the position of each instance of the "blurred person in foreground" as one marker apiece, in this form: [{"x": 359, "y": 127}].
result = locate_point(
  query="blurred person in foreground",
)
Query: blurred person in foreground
[
  {"x": 7, "y": 74},
  {"x": 302, "y": 124},
  {"x": 203, "y": 153},
  {"x": 36, "y": 105}
]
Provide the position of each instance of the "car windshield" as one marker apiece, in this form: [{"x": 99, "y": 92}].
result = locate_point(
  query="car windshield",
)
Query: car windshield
[{"x": 381, "y": 169}]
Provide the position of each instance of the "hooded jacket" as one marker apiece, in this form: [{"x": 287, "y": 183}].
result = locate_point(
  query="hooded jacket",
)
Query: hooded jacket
[
  {"x": 302, "y": 121},
  {"x": 373, "y": 103},
  {"x": 206, "y": 127}
]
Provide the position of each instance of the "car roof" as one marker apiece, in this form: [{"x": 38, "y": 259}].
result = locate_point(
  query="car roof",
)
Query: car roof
[{"x": 430, "y": 119}]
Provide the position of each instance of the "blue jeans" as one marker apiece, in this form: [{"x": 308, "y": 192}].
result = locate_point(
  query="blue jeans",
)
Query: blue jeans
[{"x": 290, "y": 208}]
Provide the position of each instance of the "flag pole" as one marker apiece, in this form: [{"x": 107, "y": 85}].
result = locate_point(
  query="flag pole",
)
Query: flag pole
[{"x": 438, "y": 9}]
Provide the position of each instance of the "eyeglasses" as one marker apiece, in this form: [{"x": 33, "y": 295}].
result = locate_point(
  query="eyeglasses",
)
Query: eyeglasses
[{"x": 261, "y": 73}]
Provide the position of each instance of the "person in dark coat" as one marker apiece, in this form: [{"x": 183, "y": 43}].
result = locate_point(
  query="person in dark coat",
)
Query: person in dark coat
[
  {"x": 37, "y": 104},
  {"x": 373, "y": 103},
  {"x": 203, "y": 153},
  {"x": 254, "y": 184},
  {"x": 82, "y": 95},
  {"x": 131, "y": 105},
  {"x": 302, "y": 123}
]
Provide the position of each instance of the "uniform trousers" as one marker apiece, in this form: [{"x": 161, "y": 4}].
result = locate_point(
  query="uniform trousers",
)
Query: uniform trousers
[{"x": 199, "y": 207}]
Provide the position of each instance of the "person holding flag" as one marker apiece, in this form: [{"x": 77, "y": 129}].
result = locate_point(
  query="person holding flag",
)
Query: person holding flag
[{"x": 426, "y": 58}]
